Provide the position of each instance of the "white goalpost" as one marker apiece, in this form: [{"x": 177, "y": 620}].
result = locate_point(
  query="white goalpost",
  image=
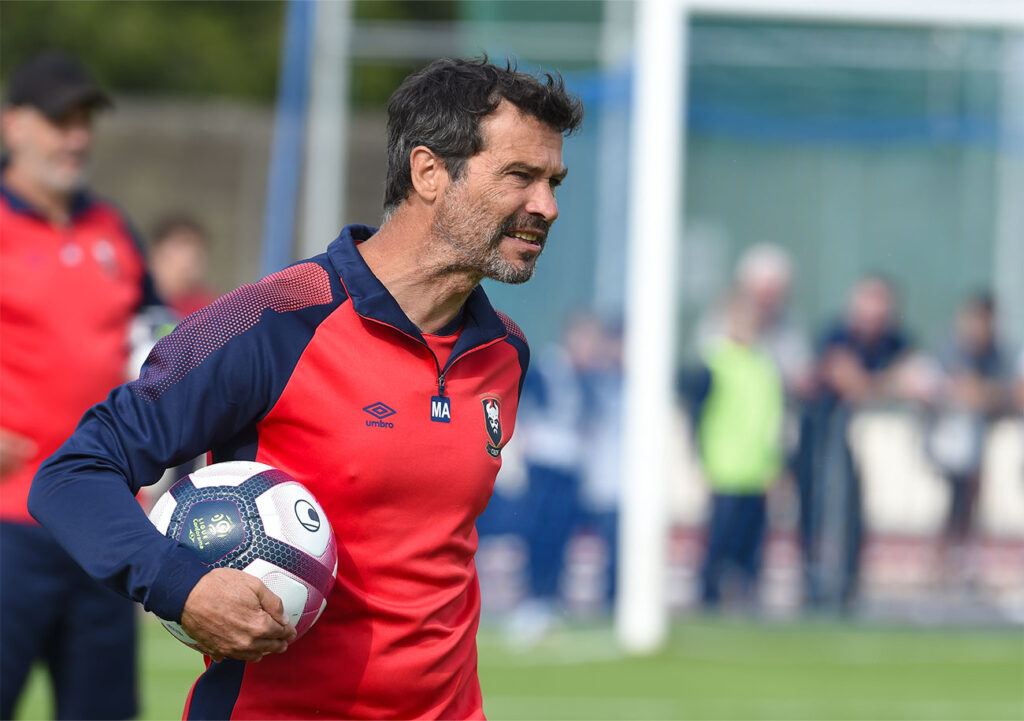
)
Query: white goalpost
[{"x": 656, "y": 229}]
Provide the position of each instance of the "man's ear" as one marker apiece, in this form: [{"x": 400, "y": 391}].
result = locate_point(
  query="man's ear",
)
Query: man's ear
[
  {"x": 429, "y": 175},
  {"x": 11, "y": 124}
]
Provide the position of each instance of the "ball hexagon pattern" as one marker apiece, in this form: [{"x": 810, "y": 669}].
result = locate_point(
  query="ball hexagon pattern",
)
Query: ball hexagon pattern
[{"x": 256, "y": 519}]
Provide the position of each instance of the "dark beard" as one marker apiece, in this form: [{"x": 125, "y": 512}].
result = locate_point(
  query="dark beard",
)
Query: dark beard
[{"x": 453, "y": 225}]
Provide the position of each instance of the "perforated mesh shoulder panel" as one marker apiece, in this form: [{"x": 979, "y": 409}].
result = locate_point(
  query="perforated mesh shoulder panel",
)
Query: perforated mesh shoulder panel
[
  {"x": 200, "y": 334},
  {"x": 511, "y": 327}
]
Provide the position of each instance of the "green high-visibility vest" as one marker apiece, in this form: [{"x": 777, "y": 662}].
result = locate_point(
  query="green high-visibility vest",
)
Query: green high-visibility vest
[{"x": 740, "y": 429}]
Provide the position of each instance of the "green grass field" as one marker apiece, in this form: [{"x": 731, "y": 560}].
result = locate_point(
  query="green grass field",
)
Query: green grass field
[{"x": 709, "y": 670}]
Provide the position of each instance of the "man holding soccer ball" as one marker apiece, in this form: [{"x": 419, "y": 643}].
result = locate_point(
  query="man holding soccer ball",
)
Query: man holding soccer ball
[{"x": 377, "y": 375}]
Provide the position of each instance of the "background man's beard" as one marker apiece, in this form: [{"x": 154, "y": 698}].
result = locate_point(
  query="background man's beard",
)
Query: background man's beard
[{"x": 57, "y": 180}]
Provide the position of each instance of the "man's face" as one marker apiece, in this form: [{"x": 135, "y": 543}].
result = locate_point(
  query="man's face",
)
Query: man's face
[
  {"x": 52, "y": 152},
  {"x": 871, "y": 308},
  {"x": 495, "y": 217},
  {"x": 975, "y": 327},
  {"x": 179, "y": 263}
]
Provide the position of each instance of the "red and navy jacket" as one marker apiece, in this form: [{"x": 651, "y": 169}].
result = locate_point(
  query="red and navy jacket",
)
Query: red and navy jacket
[
  {"x": 67, "y": 297},
  {"x": 317, "y": 371}
]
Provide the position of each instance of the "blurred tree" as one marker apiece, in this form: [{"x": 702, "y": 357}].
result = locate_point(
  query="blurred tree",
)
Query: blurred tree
[
  {"x": 216, "y": 48},
  {"x": 406, "y": 9},
  {"x": 198, "y": 49},
  {"x": 373, "y": 82}
]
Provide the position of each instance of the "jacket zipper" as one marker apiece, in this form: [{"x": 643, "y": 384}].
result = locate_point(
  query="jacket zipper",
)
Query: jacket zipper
[
  {"x": 441, "y": 375},
  {"x": 437, "y": 365}
]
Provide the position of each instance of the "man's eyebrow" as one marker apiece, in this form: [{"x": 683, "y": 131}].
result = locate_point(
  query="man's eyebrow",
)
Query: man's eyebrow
[{"x": 534, "y": 170}]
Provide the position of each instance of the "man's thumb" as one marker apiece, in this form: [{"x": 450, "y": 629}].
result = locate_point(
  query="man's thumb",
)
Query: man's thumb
[{"x": 271, "y": 603}]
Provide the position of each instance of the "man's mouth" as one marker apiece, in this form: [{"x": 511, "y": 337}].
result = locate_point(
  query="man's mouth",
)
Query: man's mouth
[{"x": 527, "y": 236}]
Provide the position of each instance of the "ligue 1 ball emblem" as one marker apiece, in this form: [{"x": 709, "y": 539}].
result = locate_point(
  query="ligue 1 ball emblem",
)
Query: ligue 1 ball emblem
[{"x": 256, "y": 519}]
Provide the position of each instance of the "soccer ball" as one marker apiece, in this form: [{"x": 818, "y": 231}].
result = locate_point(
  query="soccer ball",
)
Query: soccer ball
[{"x": 256, "y": 519}]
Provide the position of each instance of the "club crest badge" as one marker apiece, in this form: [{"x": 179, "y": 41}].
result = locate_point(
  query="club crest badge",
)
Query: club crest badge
[
  {"x": 103, "y": 253},
  {"x": 492, "y": 423}
]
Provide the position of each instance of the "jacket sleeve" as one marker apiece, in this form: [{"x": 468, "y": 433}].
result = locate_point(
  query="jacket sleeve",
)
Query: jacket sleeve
[{"x": 211, "y": 379}]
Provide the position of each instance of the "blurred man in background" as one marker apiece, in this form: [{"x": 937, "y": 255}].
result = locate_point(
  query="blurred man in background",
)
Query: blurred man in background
[
  {"x": 71, "y": 278},
  {"x": 858, "y": 363},
  {"x": 556, "y": 404},
  {"x": 179, "y": 261},
  {"x": 601, "y": 481},
  {"x": 1020, "y": 382},
  {"x": 972, "y": 391},
  {"x": 738, "y": 414},
  {"x": 764, "y": 276}
]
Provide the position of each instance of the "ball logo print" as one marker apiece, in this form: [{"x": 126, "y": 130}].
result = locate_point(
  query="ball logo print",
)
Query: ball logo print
[
  {"x": 307, "y": 515},
  {"x": 256, "y": 519},
  {"x": 213, "y": 529},
  {"x": 220, "y": 525}
]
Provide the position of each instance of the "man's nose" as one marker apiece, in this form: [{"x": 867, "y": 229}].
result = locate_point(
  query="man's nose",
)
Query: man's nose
[
  {"x": 542, "y": 202},
  {"x": 78, "y": 135}
]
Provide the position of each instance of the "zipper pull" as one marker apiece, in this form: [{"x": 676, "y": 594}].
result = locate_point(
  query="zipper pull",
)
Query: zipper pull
[{"x": 440, "y": 406}]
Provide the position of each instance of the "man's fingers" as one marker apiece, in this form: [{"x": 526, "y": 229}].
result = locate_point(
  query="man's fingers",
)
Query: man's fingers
[
  {"x": 232, "y": 614},
  {"x": 206, "y": 650},
  {"x": 15, "y": 451},
  {"x": 252, "y": 653},
  {"x": 265, "y": 645},
  {"x": 16, "y": 443},
  {"x": 271, "y": 603},
  {"x": 265, "y": 626}
]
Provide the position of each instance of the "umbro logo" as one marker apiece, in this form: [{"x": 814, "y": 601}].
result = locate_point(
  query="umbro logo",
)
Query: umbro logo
[{"x": 380, "y": 411}]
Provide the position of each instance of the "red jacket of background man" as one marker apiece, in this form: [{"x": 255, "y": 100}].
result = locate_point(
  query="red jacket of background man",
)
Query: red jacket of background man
[{"x": 67, "y": 297}]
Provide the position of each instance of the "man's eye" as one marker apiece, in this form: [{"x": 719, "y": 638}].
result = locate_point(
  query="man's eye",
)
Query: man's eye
[{"x": 520, "y": 175}]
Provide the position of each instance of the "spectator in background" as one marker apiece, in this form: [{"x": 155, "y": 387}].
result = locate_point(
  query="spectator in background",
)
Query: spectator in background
[
  {"x": 1020, "y": 382},
  {"x": 858, "y": 363},
  {"x": 739, "y": 406},
  {"x": 601, "y": 483},
  {"x": 764, "y": 275},
  {"x": 178, "y": 259},
  {"x": 557, "y": 400},
  {"x": 71, "y": 278},
  {"x": 972, "y": 391}
]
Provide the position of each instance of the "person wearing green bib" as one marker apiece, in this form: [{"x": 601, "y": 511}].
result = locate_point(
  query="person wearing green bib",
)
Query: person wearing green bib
[{"x": 739, "y": 421}]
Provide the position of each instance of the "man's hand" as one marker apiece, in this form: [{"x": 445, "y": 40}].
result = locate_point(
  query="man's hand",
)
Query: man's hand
[
  {"x": 232, "y": 614},
  {"x": 844, "y": 372},
  {"x": 15, "y": 451}
]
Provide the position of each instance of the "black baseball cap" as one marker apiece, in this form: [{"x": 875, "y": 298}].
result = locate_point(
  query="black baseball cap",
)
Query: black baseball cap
[{"x": 55, "y": 82}]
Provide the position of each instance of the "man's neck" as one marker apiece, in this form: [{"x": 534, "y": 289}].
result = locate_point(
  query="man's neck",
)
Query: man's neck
[
  {"x": 54, "y": 206},
  {"x": 406, "y": 260}
]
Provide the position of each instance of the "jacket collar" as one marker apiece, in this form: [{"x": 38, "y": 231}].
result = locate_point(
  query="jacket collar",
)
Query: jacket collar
[{"x": 371, "y": 299}]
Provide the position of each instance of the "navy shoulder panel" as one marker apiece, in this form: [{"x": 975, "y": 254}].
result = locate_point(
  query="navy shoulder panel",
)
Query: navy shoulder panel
[{"x": 517, "y": 339}]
